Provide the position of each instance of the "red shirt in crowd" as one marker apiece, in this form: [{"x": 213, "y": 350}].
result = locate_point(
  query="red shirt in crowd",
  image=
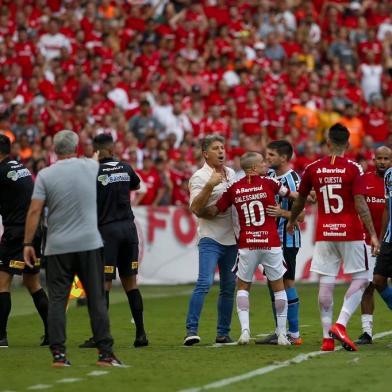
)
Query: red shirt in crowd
[
  {"x": 153, "y": 183},
  {"x": 376, "y": 124}
]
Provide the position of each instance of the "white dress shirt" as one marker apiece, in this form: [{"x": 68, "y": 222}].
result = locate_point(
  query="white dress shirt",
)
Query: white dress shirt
[{"x": 219, "y": 228}]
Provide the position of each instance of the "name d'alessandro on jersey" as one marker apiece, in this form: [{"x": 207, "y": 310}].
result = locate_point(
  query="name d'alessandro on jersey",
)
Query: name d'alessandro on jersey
[{"x": 256, "y": 196}]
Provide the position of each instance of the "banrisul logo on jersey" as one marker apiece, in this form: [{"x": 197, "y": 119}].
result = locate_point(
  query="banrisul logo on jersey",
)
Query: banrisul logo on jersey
[
  {"x": 106, "y": 179},
  {"x": 14, "y": 175}
]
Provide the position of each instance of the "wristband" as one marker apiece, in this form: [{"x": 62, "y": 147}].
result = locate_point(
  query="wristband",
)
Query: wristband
[{"x": 27, "y": 244}]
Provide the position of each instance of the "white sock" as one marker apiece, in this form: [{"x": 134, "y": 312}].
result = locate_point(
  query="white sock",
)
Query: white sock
[
  {"x": 352, "y": 299},
  {"x": 326, "y": 320},
  {"x": 367, "y": 323},
  {"x": 243, "y": 308},
  {"x": 281, "y": 310},
  {"x": 325, "y": 298}
]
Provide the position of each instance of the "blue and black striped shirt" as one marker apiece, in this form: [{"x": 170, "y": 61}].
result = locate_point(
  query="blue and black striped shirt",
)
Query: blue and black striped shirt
[
  {"x": 388, "y": 196},
  {"x": 291, "y": 180}
]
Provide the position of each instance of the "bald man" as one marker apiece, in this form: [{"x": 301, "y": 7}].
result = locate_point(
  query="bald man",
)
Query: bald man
[{"x": 373, "y": 186}]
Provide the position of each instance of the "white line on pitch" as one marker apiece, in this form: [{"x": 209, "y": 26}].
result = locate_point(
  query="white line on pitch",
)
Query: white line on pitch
[
  {"x": 69, "y": 380},
  {"x": 40, "y": 386},
  {"x": 267, "y": 369},
  {"x": 96, "y": 373}
]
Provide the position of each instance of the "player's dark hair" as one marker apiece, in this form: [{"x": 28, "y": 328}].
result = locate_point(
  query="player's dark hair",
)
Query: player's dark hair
[
  {"x": 282, "y": 147},
  {"x": 5, "y": 145},
  {"x": 338, "y": 134},
  {"x": 102, "y": 141}
]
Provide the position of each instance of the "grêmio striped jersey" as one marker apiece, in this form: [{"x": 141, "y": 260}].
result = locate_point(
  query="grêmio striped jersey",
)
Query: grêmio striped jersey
[
  {"x": 290, "y": 180},
  {"x": 388, "y": 196}
]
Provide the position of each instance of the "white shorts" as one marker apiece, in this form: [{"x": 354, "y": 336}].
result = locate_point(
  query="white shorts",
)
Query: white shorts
[
  {"x": 371, "y": 262},
  {"x": 328, "y": 255},
  {"x": 271, "y": 259}
]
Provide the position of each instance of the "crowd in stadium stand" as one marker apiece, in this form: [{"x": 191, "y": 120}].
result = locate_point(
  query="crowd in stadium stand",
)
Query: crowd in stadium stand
[{"x": 159, "y": 74}]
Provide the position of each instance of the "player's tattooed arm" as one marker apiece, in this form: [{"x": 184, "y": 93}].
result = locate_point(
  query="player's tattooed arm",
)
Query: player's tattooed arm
[
  {"x": 296, "y": 210},
  {"x": 364, "y": 213}
]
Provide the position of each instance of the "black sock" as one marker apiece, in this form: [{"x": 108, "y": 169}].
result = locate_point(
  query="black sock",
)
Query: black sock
[
  {"x": 5, "y": 309},
  {"x": 107, "y": 298},
  {"x": 136, "y": 304},
  {"x": 41, "y": 303}
]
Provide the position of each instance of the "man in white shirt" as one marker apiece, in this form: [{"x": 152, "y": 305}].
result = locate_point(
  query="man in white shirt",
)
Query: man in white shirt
[
  {"x": 217, "y": 243},
  {"x": 50, "y": 44}
]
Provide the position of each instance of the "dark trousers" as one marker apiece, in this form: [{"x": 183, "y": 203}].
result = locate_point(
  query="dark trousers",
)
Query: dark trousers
[{"x": 61, "y": 269}]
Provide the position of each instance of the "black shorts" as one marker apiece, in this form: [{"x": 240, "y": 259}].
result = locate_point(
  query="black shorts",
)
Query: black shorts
[
  {"x": 290, "y": 257},
  {"x": 11, "y": 252},
  {"x": 121, "y": 249},
  {"x": 383, "y": 265}
]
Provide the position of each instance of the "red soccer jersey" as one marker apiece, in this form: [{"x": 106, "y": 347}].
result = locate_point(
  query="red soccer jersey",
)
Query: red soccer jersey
[
  {"x": 251, "y": 196},
  {"x": 336, "y": 180},
  {"x": 373, "y": 189},
  {"x": 153, "y": 184}
]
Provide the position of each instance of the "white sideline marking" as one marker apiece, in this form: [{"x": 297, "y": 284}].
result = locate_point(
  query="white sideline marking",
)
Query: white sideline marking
[
  {"x": 270, "y": 368},
  {"x": 40, "y": 386},
  {"x": 97, "y": 373},
  {"x": 69, "y": 380},
  {"x": 216, "y": 345},
  {"x": 264, "y": 334}
]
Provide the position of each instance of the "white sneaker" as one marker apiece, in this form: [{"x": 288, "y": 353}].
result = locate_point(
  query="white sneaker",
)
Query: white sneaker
[
  {"x": 282, "y": 340},
  {"x": 245, "y": 337}
]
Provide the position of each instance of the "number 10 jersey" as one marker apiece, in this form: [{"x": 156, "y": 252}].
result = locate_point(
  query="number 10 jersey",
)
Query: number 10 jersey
[
  {"x": 336, "y": 180},
  {"x": 251, "y": 195}
]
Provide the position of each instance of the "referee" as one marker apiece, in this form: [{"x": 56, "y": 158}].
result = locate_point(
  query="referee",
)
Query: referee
[
  {"x": 73, "y": 244},
  {"x": 16, "y": 187},
  {"x": 116, "y": 225}
]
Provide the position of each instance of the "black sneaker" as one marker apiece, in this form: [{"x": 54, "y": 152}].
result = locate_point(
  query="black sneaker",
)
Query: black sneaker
[
  {"x": 191, "y": 339},
  {"x": 270, "y": 339},
  {"x": 224, "y": 339},
  {"x": 60, "y": 360},
  {"x": 141, "y": 341},
  {"x": 44, "y": 340},
  {"x": 105, "y": 359},
  {"x": 4, "y": 342},
  {"x": 89, "y": 343},
  {"x": 365, "y": 338}
]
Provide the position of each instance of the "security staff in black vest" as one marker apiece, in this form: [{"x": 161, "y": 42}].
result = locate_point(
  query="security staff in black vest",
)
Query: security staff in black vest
[{"x": 116, "y": 225}]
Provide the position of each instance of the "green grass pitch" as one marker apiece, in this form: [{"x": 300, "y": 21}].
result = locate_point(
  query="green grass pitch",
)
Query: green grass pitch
[{"x": 168, "y": 366}]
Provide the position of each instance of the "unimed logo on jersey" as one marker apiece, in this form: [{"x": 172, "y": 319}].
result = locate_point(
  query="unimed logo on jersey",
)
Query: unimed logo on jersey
[{"x": 106, "y": 179}]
